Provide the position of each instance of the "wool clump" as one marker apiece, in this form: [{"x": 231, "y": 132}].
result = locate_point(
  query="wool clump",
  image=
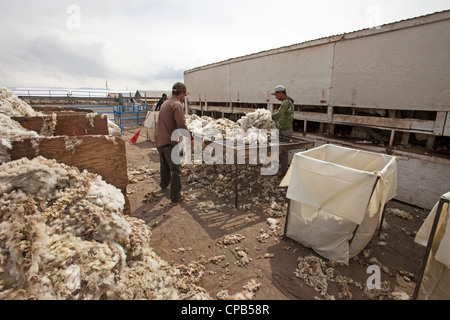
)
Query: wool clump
[
  {"x": 12, "y": 106},
  {"x": 247, "y": 130},
  {"x": 11, "y": 130}
]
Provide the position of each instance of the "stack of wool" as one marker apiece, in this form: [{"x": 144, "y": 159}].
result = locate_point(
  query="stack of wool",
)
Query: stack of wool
[
  {"x": 12, "y": 106},
  {"x": 63, "y": 235},
  {"x": 252, "y": 123},
  {"x": 200, "y": 126},
  {"x": 11, "y": 130},
  {"x": 259, "y": 119},
  {"x": 245, "y": 131}
]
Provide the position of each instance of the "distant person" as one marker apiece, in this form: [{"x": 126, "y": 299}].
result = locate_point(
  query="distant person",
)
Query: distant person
[
  {"x": 284, "y": 118},
  {"x": 160, "y": 102},
  {"x": 171, "y": 117}
]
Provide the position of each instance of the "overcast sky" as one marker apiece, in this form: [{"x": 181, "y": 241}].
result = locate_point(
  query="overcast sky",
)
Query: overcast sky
[{"x": 137, "y": 44}]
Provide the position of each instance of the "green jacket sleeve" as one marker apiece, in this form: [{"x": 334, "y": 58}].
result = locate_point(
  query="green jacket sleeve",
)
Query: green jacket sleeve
[{"x": 285, "y": 115}]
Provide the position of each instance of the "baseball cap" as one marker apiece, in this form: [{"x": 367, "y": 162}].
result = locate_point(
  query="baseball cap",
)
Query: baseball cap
[
  {"x": 279, "y": 88},
  {"x": 179, "y": 87}
]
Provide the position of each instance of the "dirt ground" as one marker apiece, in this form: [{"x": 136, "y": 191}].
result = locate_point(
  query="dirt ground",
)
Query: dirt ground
[{"x": 195, "y": 231}]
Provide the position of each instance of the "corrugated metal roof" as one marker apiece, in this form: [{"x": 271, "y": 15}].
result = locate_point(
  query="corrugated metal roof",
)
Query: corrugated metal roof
[{"x": 152, "y": 93}]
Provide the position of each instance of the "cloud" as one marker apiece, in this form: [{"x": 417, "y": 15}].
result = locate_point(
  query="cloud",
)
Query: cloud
[
  {"x": 148, "y": 43},
  {"x": 83, "y": 56}
]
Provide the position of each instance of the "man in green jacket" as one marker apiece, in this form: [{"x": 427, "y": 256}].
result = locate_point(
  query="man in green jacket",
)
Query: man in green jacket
[{"x": 284, "y": 118}]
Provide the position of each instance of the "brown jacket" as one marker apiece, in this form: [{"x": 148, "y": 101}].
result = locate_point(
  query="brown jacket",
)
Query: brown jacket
[{"x": 171, "y": 117}]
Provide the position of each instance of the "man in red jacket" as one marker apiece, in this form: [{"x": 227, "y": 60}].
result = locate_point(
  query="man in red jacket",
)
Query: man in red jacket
[{"x": 171, "y": 117}]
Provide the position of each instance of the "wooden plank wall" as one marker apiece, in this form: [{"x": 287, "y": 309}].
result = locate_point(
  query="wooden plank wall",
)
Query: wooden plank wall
[
  {"x": 66, "y": 124},
  {"x": 422, "y": 179},
  {"x": 103, "y": 155},
  {"x": 76, "y": 138}
]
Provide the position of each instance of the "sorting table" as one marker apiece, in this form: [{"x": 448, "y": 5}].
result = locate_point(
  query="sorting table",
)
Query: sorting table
[{"x": 285, "y": 144}]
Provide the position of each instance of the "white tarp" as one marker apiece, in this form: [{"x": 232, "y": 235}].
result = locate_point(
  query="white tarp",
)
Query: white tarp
[
  {"x": 436, "y": 279},
  {"x": 335, "y": 191},
  {"x": 150, "y": 124}
]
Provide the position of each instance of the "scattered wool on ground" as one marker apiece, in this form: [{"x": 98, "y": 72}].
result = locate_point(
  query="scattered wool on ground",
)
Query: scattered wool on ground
[
  {"x": 247, "y": 293},
  {"x": 220, "y": 179},
  {"x": 400, "y": 213},
  {"x": 319, "y": 274},
  {"x": 230, "y": 239}
]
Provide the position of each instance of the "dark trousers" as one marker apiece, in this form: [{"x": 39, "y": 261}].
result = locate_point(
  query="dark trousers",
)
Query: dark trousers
[{"x": 170, "y": 172}]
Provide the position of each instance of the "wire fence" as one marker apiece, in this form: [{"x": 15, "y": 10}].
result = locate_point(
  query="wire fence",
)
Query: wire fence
[{"x": 55, "y": 93}]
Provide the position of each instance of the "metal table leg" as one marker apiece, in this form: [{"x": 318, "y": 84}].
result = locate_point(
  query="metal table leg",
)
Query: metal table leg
[
  {"x": 287, "y": 218},
  {"x": 236, "y": 187}
]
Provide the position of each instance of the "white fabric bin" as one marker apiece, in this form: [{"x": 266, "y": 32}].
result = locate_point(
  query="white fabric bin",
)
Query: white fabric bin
[{"x": 337, "y": 196}]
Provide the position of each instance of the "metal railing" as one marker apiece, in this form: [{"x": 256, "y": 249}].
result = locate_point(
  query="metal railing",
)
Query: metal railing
[
  {"x": 52, "y": 93},
  {"x": 130, "y": 115}
]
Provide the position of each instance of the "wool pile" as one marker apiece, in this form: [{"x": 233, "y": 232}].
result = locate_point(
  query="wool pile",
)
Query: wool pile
[
  {"x": 259, "y": 119},
  {"x": 12, "y": 106},
  {"x": 63, "y": 236},
  {"x": 247, "y": 130},
  {"x": 11, "y": 130},
  {"x": 199, "y": 126}
]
